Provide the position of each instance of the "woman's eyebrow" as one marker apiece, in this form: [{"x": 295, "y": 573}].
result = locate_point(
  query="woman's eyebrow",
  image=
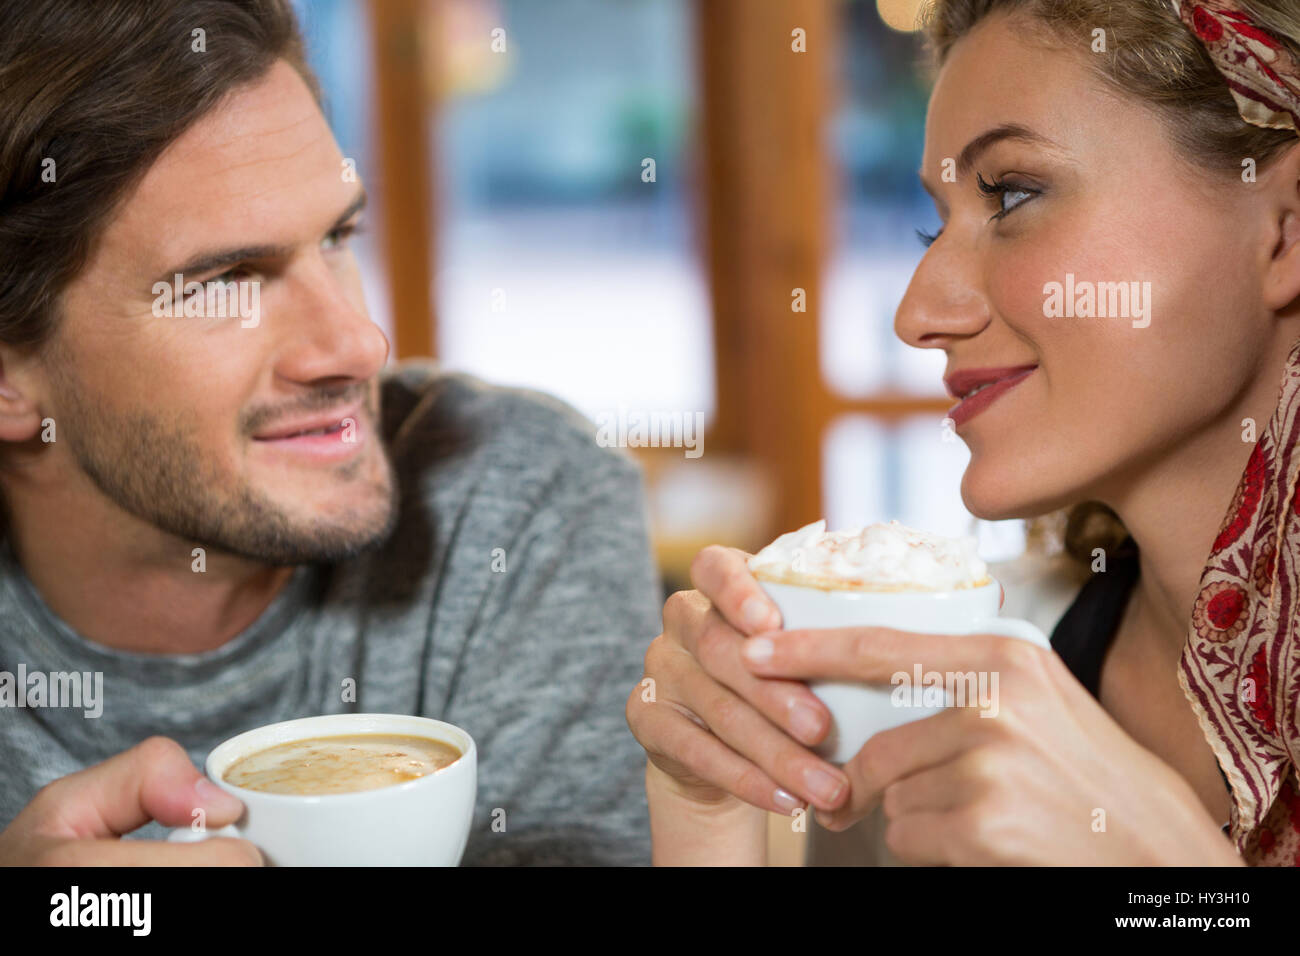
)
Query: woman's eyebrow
[{"x": 985, "y": 141}]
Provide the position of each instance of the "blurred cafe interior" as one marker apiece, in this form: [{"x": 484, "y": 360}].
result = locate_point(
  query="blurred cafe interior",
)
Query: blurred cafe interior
[{"x": 702, "y": 208}]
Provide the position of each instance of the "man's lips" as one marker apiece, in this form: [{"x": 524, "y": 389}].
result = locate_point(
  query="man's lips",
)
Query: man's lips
[
  {"x": 981, "y": 387},
  {"x": 311, "y": 426},
  {"x": 321, "y": 438}
]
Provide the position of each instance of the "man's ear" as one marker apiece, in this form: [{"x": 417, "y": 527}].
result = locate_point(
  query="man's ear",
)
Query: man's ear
[
  {"x": 1282, "y": 278},
  {"x": 20, "y": 414}
]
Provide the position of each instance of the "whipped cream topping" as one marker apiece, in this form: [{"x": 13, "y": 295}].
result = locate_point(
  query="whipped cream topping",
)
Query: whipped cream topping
[{"x": 879, "y": 556}]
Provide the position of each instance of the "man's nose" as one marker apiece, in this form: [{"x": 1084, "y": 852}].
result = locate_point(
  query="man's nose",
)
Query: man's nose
[{"x": 328, "y": 336}]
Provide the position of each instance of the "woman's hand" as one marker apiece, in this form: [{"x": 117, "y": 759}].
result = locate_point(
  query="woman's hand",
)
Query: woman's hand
[
  {"x": 1049, "y": 778},
  {"x": 715, "y": 731}
]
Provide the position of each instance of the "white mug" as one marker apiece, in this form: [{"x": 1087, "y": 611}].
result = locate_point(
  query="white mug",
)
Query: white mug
[
  {"x": 859, "y": 711},
  {"x": 420, "y": 822}
]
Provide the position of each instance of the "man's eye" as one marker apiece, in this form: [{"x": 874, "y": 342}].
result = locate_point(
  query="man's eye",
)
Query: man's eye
[
  {"x": 237, "y": 274},
  {"x": 339, "y": 237}
]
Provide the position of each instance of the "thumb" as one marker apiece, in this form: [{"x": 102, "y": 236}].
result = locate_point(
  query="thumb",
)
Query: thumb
[{"x": 154, "y": 780}]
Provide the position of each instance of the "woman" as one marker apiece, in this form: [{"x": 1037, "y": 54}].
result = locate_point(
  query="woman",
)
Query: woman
[{"x": 1068, "y": 143}]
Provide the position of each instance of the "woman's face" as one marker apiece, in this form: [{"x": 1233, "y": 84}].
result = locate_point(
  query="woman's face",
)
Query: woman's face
[{"x": 1098, "y": 194}]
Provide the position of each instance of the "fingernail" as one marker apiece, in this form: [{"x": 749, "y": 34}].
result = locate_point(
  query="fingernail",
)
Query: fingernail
[
  {"x": 759, "y": 649},
  {"x": 805, "y": 723},
  {"x": 823, "y": 818},
  {"x": 212, "y": 797},
  {"x": 788, "y": 802},
  {"x": 825, "y": 785},
  {"x": 757, "y": 614}
]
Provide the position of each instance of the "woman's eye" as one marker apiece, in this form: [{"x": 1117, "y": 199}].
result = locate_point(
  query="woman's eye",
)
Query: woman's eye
[
  {"x": 927, "y": 238},
  {"x": 1003, "y": 207},
  {"x": 1003, "y": 190}
]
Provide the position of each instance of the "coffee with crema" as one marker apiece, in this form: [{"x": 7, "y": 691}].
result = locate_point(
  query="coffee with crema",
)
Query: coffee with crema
[
  {"x": 887, "y": 558},
  {"x": 347, "y": 764},
  {"x": 887, "y": 576}
]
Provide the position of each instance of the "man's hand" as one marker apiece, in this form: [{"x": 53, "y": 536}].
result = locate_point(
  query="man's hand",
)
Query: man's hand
[{"x": 77, "y": 820}]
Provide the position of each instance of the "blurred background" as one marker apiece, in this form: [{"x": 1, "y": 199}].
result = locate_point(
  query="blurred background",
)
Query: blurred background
[{"x": 700, "y": 209}]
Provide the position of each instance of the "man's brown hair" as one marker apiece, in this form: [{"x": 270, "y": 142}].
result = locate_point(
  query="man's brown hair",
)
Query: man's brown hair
[{"x": 91, "y": 93}]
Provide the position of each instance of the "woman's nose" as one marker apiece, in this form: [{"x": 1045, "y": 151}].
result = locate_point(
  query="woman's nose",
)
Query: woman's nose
[{"x": 944, "y": 301}]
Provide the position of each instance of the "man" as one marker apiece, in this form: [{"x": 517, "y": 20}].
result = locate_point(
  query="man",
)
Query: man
[{"x": 226, "y": 511}]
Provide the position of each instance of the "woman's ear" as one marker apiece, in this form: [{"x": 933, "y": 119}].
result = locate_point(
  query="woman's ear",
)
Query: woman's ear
[{"x": 1282, "y": 279}]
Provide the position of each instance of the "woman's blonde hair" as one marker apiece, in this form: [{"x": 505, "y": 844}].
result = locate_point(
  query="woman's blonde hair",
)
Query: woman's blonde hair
[{"x": 1151, "y": 56}]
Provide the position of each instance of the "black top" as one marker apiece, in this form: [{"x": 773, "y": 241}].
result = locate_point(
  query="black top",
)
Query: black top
[{"x": 1084, "y": 634}]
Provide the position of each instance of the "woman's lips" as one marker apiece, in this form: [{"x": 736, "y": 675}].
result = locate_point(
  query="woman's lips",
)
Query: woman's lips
[{"x": 971, "y": 406}]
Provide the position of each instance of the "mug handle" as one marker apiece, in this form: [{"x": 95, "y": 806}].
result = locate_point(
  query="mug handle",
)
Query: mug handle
[
  {"x": 190, "y": 835},
  {"x": 1012, "y": 627}
]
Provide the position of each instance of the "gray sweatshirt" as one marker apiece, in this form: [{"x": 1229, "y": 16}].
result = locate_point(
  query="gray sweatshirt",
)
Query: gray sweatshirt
[{"x": 533, "y": 648}]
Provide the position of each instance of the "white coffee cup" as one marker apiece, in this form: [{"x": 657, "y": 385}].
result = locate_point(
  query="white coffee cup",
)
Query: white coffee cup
[
  {"x": 420, "y": 822},
  {"x": 859, "y": 711}
]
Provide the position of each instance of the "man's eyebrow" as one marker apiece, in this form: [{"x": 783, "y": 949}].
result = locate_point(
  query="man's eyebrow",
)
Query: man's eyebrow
[
  {"x": 215, "y": 259},
  {"x": 358, "y": 203},
  {"x": 985, "y": 141}
]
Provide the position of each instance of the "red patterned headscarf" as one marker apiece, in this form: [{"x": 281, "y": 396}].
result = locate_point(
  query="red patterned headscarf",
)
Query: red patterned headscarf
[{"x": 1240, "y": 667}]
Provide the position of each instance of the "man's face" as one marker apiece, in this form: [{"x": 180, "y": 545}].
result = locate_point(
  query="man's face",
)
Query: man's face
[{"x": 193, "y": 424}]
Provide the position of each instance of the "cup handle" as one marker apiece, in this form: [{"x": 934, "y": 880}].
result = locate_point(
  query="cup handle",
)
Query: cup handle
[
  {"x": 1013, "y": 627},
  {"x": 190, "y": 835}
]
